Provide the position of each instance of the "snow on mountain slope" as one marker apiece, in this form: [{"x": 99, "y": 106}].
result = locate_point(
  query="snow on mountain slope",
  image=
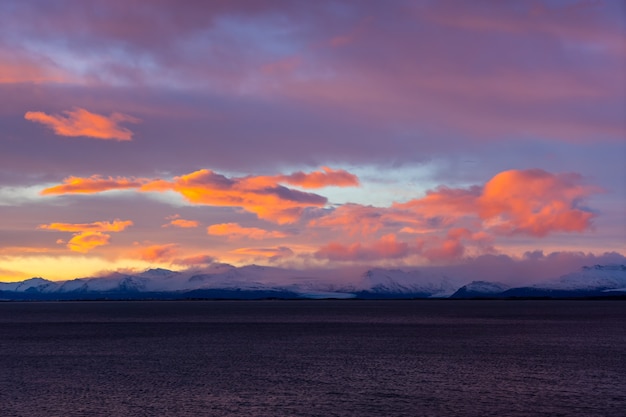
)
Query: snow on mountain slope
[
  {"x": 480, "y": 289},
  {"x": 320, "y": 284},
  {"x": 31, "y": 284},
  {"x": 114, "y": 282},
  {"x": 396, "y": 281},
  {"x": 599, "y": 277}
]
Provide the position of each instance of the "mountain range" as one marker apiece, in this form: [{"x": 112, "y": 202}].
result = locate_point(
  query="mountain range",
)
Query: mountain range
[{"x": 223, "y": 281}]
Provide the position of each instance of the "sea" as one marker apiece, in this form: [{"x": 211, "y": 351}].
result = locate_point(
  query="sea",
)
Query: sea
[{"x": 313, "y": 358}]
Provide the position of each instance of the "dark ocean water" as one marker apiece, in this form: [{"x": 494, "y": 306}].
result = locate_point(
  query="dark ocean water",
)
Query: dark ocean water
[{"x": 313, "y": 358}]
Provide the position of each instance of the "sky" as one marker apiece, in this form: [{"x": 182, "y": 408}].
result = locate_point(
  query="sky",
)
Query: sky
[{"x": 311, "y": 134}]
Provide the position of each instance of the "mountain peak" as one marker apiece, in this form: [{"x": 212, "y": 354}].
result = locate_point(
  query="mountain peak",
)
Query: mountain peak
[{"x": 613, "y": 267}]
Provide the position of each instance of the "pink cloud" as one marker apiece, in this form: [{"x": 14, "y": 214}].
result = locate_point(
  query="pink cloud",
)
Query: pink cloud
[
  {"x": 80, "y": 122},
  {"x": 535, "y": 202},
  {"x": 531, "y": 202},
  {"x": 319, "y": 179},
  {"x": 388, "y": 247},
  {"x": 19, "y": 66},
  {"x": 157, "y": 253},
  {"x": 352, "y": 218},
  {"x": 576, "y": 21}
]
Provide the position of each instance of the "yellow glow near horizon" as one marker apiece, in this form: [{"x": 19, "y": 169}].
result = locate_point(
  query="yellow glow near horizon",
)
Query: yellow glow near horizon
[{"x": 61, "y": 268}]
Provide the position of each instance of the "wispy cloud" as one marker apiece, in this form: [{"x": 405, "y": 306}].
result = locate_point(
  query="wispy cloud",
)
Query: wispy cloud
[
  {"x": 234, "y": 231},
  {"x": 114, "y": 226},
  {"x": 80, "y": 122},
  {"x": 271, "y": 254},
  {"x": 93, "y": 184}
]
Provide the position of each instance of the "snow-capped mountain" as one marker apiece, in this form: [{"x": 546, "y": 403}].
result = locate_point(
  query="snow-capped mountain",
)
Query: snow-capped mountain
[
  {"x": 254, "y": 281},
  {"x": 589, "y": 281},
  {"x": 31, "y": 284},
  {"x": 377, "y": 282},
  {"x": 478, "y": 289},
  {"x": 604, "y": 277},
  {"x": 597, "y": 280}
]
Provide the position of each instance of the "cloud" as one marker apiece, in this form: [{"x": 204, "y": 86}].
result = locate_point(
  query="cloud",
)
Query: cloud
[
  {"x": 263, "y": 195},
  {"x": 196, "y": 260},
  {"x": 388, "y": 247},
  {"x": 452, "y": 223},
  {"x": 176, "y": 221},
  {"x": 535, "y": 202},
  {"x": 319, "y": 179},
  {"x": 88, "y": 236},
  {"x": 271, "y": 254},
  {"x": 86, "y": 241},
  {"x": 20, "y": 66},
  {"x": 452, "y": 247},
  {"x": 115, "y": 226},
  {"x": 93, "y": 184},
  {"x": 260, "y": 195},
  {"x": 234, "y": 231},
  {"x": 157, "y": 253},
  {"x": 352, "y": 218},
  {"x": 80, "y": 122},
  {"x": 530, "y": 202}
]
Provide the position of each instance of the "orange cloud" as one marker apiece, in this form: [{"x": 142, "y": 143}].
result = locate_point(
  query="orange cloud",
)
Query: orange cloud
[
  {"x": 264, "y": 196},
  {"x": 535, "y": 202},
  {"x": 319, "y": 179},
  {"x": 158, "y": 253},
  {"x": 185, "y": 224},
  {"x": 86, "y": 241},
  {"x": 388, "y": 247},
  {"x": 80, "y": 122},
  {"x": 87, "y": 235},
  {"x": 115, "y": 226},
  {"x": 93, "y": 184},
  {"x": 234, "y": 231},
  {"x": 532, "y": 202},
  {"x": 260, "y": 195},
  {"x": 176, "y": 221}
]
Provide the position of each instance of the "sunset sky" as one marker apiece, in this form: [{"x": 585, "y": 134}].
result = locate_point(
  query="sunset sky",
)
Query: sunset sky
[{"x": 310, "y": 134}]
